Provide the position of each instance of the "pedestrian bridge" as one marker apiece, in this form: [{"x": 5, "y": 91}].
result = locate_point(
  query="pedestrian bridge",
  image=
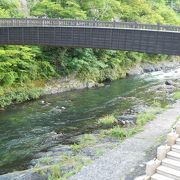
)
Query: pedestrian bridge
[{"x": 128, "y": 36}]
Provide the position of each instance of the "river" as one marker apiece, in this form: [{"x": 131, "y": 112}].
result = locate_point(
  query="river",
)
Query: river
[{"x": 25, "y": 128}]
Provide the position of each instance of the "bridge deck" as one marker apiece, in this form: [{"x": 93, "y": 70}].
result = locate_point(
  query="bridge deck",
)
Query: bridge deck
[{"x": 129, "y": 36}]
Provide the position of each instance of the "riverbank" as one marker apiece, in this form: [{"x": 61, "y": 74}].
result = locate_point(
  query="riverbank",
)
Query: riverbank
[{"x": 72, "y": 83}]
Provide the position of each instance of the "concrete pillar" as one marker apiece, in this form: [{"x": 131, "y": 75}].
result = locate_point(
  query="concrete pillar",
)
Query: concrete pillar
[
  {"x": 151, "y": 167},
  {"x": 162, "y": 151},
  {"x": 171, "y": 138},
  {"x": 178, "y": 128}
]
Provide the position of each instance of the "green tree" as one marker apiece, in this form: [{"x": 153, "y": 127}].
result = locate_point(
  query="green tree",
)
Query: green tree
[
  {"x": 70, "y": 9},
  {"x": 46, "y": 8}
]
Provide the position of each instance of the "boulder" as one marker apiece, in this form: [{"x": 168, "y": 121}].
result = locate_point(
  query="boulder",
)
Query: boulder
[
  {"x": 149, "y": 68},
  {"x": 169, "y": 82},
  {"x": 126, "y": 119},
  {"x": 137, "y": 70}
]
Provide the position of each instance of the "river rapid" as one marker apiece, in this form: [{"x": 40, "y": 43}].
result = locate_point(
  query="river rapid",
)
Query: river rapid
[{"x": 27, "y": 128}]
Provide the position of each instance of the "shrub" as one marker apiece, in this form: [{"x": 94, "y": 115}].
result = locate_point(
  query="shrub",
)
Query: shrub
[
  {"x": 143, "y": 118},
  {"x": 56, "y": 172},
  {"x": 86, "y": 140},
  {"x": 19, "y": 94},
  {"x": 107, "y": 120},
  {"x": 118, "y": 132},
  {"x": 176, "y": 95}
]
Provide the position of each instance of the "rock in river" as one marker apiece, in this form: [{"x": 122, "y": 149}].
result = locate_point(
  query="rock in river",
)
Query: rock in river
[
  {"x": 169, "y": 82},
  {"x": 127, "y": 119}
]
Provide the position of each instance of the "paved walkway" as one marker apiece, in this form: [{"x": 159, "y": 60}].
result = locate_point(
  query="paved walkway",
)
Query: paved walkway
[{"x": 119, "y": 162}]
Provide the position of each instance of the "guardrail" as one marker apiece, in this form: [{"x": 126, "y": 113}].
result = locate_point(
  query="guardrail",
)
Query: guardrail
[{"x": 45, "y": 22}]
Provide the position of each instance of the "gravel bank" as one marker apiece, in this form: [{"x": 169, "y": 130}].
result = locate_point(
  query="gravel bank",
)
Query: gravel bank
[{"x": 120, "y": 162}]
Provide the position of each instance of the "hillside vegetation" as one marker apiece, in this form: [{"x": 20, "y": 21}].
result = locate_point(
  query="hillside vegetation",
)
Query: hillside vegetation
[{"x": 24, "y": 69}]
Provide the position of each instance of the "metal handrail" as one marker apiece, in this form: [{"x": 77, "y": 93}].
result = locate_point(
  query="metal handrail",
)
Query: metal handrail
[{"x": 46, "y": 22}]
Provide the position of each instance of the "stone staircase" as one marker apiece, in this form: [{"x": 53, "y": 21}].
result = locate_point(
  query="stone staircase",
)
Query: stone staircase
[
  {"x": 170, "y": 166},
  {"x": 166, "y": 165}
]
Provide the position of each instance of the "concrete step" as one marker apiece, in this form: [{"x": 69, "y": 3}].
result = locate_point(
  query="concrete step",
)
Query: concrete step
[
  {"x": 178, "y": 141},
  {"x": 173, "y": 155},
  {"x": 171, "y": 163},
  {"x": 176, "y": 148},
  {"x": 168, "y": 172},
  {"x": 159, "y": 177}
]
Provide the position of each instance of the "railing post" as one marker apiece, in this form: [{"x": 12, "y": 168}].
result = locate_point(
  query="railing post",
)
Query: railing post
[
  {"x": 114, "y": 23},
  {"x": 135, "y": 25},
  {"x": 158, "y": 26},
  {"x": 13, "y": 22},
  {"x": 59, "y": 21},
  {"x": 94, "y": 22},
  {"x": 42, "y": 22},
  {"x": 26, "y": 22}
]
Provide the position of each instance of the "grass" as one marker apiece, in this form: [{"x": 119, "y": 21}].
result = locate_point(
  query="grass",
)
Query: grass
[
  {"x": 77, "y": 147},
  {"x": 142, "y": 118},
  {"x": 46, "y": 160},
  {"x": 99, "y": 152},
  {"x": 86, "y": 140},
  {"x": 39, "y": 170},
  {"x": 107, "y": 121},
  {"x": 156, "y": 104},
  {"x": 120, "y": 132},
  {"x": 159, "y": 139},
  {"x": 55, "y": 172},
  {"x": 176, "y": 95},
  {"x": 117, "y": 132},
  {"x": 77, "y": 161},
  {"x": 177, "y": 119},
  {"x": 145, "y": 117}
]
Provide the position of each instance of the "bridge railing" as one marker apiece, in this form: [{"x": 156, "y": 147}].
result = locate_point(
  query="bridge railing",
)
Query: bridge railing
[{"x": 45, "y": 22}]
